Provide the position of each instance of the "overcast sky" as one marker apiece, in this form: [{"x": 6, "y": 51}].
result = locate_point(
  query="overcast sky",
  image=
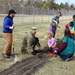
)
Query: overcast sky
[{"x": 63, "y": 1}]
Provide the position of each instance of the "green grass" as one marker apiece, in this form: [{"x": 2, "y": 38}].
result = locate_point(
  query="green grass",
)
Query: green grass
[{"x": 19, "y": 33}]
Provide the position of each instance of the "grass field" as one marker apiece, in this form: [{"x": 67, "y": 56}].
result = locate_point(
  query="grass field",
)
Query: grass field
[{"x": 54, "y": 65}]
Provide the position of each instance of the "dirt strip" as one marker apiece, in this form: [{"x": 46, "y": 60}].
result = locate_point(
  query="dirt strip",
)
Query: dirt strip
[{"x": 26, "y": 66}]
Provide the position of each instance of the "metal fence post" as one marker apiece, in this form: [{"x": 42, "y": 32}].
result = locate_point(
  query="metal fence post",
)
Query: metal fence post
[
  {"x": 41, "y": 15},
  {"x": 22, "y": 13},
  {"x": 33, "y": 13}
]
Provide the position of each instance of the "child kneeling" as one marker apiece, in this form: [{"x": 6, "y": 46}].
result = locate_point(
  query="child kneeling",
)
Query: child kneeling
[{"x": 51, "y": 44}]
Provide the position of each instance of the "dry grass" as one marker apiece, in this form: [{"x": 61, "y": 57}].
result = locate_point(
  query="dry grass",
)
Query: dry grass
[
  {"x": 55, "y": 66},
  {"x": 19, "y": 33}
]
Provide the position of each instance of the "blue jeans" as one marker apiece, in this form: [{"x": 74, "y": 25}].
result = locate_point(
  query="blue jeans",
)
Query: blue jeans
[
  {"x": 65, "y": 57},
  {"x": 54, "y": 30}
]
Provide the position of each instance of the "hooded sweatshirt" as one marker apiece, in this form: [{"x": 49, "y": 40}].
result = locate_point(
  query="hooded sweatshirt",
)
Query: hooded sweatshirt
[{"x": 67, "y": 46}]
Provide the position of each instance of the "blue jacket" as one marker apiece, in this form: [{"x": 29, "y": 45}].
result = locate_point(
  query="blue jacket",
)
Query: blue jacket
[{"x": 8, "y": 22}]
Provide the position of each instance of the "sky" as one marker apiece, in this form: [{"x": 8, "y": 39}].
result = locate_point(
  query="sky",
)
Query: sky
[{"x": 63, "y": 1}]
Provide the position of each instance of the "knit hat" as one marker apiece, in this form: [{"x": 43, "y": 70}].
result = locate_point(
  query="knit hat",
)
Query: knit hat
[
  {"x": 66, "y": 26},
  {"x": 12, "y": 11}
]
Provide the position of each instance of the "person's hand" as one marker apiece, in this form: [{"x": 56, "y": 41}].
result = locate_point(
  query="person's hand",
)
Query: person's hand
[
  {"x": 12, "y": 27},
  {"x": 55, "y": 51},
  {"x": 58, "y": 26}
]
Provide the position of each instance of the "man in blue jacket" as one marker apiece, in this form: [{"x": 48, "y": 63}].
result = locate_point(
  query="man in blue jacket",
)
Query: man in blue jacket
[{"x": 7, "y": 32}]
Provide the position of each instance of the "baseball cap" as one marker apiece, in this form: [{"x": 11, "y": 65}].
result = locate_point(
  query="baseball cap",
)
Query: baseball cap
[
  {"x": 12, "y": 11},
  {"x": 33, "y": 28}
]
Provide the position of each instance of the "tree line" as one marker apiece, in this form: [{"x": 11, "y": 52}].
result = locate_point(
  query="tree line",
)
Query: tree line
[{"x": 45, "y": 4}]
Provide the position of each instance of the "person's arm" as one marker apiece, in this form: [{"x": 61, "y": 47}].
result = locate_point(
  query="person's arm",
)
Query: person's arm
[
  {"x": 62, "y": 47},
  {"x": 54, "y": 20},
  {"x": 58, "y": 26},
  {"x": 50, "y": 44},
  {"x": 54, "y": 17},
  {"x": 7, "y": 24}
]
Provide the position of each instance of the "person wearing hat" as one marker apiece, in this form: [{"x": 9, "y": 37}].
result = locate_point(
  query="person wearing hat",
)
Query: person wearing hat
[
  {"x": 7, "y": 32},
  {"x": 29, "y": 42}
]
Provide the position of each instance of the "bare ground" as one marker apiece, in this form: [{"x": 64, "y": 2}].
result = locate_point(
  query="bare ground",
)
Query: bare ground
[{"x": 26, "y": 66}]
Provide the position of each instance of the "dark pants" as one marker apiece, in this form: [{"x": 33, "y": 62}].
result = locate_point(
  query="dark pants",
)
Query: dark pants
[
  {"x": 65, "y": 57},
  {"x": 54, "y": 31},
  {"x": 50, "y": 49}
]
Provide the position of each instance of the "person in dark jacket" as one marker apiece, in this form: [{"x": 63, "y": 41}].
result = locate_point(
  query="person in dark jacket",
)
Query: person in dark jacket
[
  {"x": 67, "y": 48},
  {"x": 7, "y": 32}
]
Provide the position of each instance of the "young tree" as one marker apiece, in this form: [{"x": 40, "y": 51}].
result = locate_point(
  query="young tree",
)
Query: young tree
[
  {"x": 44, "y": 5},
  {"x": 61, "y": 6},
  {"x": 66, "y": 6}
]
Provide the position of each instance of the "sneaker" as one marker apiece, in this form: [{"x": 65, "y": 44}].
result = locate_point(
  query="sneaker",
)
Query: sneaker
[
  {"x": 51, "y": 54},
  {"x": 67, "y": 59},
  {"x": 5, "y": 55},
  {"x": 15, "y": 57}
]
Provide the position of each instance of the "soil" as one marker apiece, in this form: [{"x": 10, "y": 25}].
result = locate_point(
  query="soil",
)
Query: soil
[{"x": 28, "y": 65}]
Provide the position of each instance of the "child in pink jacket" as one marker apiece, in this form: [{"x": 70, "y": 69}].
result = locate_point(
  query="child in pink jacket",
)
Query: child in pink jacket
[{"x": 51, "y": 44}]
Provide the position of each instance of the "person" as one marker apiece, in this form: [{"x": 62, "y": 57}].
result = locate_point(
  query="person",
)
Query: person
[
  {"x": 29, "y": 42},
  {"x": 72, "y": 27},
  {"x": 51, "y": 44},
  {"x": 67, "y": 48},
  {"x": 55, "y": 22},
  {"x": 51, "y": 28},
  {"x": 8, "y": 26}
]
